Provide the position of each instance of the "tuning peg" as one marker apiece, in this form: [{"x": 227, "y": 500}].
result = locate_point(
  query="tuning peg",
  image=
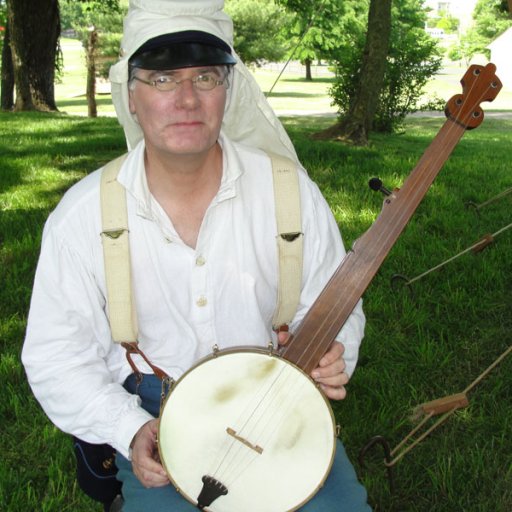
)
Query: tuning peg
[{"x": 376, "y": 184}]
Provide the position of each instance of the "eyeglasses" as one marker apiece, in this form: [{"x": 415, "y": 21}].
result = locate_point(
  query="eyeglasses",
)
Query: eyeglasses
[{"x": 168, "y": 83}]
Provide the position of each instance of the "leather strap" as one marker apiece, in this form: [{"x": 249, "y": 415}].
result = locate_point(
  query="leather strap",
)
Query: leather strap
[{"x": 133, "y": 348}]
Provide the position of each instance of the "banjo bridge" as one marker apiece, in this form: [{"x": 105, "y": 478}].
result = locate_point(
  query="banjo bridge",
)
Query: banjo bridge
[{"x": 255, "y": 447}]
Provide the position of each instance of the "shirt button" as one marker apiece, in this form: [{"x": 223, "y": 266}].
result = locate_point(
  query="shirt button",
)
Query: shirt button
[
  {"x": 200, "y": 261},
  {"x": 201, "y": 301}
]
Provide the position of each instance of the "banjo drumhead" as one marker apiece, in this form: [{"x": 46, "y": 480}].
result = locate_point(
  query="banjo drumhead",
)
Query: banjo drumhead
[{"x": 254, "y": 424}]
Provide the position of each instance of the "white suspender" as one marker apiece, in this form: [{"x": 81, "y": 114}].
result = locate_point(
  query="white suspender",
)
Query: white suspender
[
  {"x": 116, "y": 249},
  {"x": 116, "y": 254},
  {"x": 289, "y": 239}
]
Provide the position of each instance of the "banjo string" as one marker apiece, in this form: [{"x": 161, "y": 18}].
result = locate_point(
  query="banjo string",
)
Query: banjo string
[
  {"x": 232, "y": 446},
  {"x": 265, "y": 419}
]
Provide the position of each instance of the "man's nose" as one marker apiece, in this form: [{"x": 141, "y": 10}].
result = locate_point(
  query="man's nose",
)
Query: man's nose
[{"x": 187, "y": 94}]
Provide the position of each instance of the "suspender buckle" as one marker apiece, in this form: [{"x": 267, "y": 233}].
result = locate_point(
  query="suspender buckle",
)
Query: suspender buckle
[
  {"x": 114, "y": 234},
  {"x": 290, "y": 237}
]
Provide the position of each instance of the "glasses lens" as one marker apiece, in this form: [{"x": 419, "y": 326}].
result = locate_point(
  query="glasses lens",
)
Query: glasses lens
[
  {"x": 165, "y": 83},
  {"x": 205, "y": 82},
  {"x": 201, "y": 82}
]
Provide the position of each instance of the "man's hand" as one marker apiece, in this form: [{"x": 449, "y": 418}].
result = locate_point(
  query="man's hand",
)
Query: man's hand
[
  {"x": 145, "y": 460},
  {"x": 330, "y": 372}
]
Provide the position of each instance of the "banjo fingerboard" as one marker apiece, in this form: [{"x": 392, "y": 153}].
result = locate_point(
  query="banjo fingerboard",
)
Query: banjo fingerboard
[{"x": 336, "y": 302}]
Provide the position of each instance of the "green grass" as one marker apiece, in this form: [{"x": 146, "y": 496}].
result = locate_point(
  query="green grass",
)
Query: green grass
[
  {"x": 42, "y": 155},
  {"x": 418, "y": 346},
  {"x": 435, "y": 341}
]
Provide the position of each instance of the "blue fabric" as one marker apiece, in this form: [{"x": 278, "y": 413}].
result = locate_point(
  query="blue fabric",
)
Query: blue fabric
[{"x": 341, "y": 493}]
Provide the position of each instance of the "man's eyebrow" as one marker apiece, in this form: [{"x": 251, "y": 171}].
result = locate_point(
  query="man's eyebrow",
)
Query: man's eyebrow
[
  {"x": 159, "y": 72},
  {"x": 210, "y": 69}
]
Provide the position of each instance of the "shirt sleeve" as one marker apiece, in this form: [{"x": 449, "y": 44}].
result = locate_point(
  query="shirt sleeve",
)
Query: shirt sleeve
[
  {"x": 70, "y": 360},
  {"x": 323, "y": 253}
]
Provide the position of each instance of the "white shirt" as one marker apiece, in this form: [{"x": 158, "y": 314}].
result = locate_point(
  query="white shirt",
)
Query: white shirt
[{"x": 221, "y": 293}]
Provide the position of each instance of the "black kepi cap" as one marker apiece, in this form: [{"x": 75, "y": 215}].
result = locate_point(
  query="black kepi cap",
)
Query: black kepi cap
[{"x": 190, "y": 48}]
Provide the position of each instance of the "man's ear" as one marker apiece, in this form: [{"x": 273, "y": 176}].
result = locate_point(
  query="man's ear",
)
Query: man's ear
[{"x": 130, "y": 101}]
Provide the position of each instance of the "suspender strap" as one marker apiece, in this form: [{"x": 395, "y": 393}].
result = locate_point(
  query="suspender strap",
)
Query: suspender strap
[
  {"x": 116, "y": 253},
  {"x": 289, "y": 239}
]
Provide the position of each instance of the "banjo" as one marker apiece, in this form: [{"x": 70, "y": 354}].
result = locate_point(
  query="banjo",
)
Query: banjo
[{"x": 247, "y": 430}]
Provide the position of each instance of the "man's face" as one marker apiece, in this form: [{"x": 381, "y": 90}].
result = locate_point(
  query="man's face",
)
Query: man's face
[{"x": 184, "y": 121}]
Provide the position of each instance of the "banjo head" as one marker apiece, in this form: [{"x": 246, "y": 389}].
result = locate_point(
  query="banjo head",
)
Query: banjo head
[{"x": 250, "y": 428}]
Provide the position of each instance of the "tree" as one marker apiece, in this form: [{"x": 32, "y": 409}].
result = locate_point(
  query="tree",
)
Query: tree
[
  {"x": 98, "y": 25},
  {"x": 468, "y": 45},
  {"x": 317, "y": 27},
  {"x": 354, "y": 127},
  {"x": 33, "y": 30},
  {"x": 7, "y": 80},
  {"x": 412, "y": 58},
  {"x": 491, "y": 19},
  {"x": 258, "y": 31},
  {"x": 449, "y": 23}
]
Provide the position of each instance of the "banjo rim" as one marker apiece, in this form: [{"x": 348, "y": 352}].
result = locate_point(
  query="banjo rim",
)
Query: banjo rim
[{"x": 268, "y": 352}]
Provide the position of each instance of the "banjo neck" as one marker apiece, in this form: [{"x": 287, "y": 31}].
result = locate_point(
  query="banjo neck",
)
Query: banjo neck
[{"x": 336, "y": 302}]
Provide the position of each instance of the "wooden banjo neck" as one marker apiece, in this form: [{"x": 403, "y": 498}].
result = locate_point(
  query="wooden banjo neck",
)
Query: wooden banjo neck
[{"x": 347, "y": 285}]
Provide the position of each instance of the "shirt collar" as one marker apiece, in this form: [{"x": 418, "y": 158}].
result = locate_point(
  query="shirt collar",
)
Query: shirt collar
[{"x": 133, "y": 176}]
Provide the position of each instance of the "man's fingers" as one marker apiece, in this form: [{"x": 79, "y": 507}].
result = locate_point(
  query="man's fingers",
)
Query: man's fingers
[
  {"x": 150, "y": 472},
  {"x": 145, "y": 461},
  {"x": 334, "y": 353},
  {"x": 334, "y": 393}
]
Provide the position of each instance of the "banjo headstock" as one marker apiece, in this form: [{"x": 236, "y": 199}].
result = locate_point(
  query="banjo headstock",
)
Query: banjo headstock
[{"x": 479, "y": 83}]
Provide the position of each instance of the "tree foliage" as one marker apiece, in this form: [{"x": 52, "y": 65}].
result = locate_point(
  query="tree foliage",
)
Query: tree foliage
[
  {"x": 98, "y": 25},
  {"x": 258, "y": 30},
  {"x": 413, "y": 58},
  {"x": 491, "y": 18},
  {"x": 104, "y": 16},
  {"x": 447, "y": 22},
  {"x": 319, "y": 27}
]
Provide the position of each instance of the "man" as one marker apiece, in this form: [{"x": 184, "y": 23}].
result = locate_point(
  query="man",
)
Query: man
[{"x": 202, "y": 246}]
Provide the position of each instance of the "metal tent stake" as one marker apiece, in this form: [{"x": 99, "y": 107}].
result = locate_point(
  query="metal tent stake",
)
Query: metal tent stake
[
  {"x": 476, "y": 247},
  {"x": 444, "y": 406},
  {"x": 478, "y": 207}
]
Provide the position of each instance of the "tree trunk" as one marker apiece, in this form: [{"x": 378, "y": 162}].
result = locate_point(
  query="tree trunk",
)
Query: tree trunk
[
  {"x": 309, "y": 76},
  {"x": 354, "y": 127},
  {"x": 7, "y": 96},
  {"x": 34, "y": 35},
  {"x": 90, "y": 57}
]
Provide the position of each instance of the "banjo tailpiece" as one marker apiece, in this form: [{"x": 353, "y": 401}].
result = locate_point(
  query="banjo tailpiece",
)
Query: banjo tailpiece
[{"x": 211, "y": 490}]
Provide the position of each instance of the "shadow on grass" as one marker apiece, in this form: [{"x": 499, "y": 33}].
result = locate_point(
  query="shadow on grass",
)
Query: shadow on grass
[
  {"x": 294, "y": 95},
  {"x": 80, "y": 101},
  {"x": 317, "y": 80},
  {"x": 33, "y": 141}
]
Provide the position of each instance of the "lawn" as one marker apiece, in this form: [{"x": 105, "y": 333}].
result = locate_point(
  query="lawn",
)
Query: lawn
[
  {"x": 287, "y": 91},
  {"x": 422, "y": 342}
]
